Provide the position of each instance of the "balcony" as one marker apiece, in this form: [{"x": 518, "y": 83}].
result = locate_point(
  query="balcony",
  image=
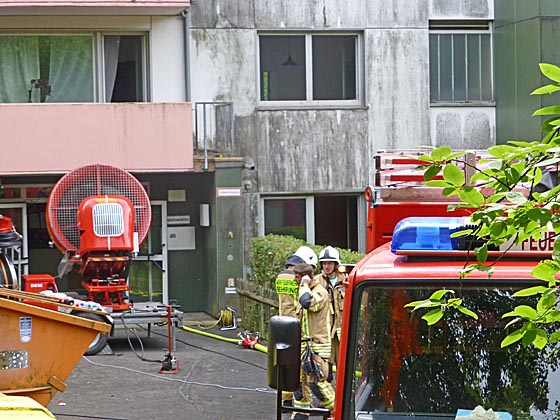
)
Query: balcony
[{"x": 58, "y": 137}]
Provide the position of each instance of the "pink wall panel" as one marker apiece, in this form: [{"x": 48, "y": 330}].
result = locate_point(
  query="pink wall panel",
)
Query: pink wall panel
[{"x": 55, "y": 138}]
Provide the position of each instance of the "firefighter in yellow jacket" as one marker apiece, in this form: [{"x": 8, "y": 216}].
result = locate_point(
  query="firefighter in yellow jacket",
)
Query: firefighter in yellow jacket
[
  {"x": 329, "y": 258},
  {"x": 315, "y": 332},
  {"x": 287, "y": 290}
]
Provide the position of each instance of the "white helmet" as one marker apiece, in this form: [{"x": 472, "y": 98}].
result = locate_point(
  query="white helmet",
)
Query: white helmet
[
  {"x": 329, "y": 254},
  {"x": 307, "y": 255}
]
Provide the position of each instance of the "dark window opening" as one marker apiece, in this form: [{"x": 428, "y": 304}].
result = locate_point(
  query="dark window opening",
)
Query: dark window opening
[{"x": 124, "y": 68}]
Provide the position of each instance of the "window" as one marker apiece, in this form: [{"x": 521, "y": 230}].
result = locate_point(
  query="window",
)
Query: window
[
  {"x": 460, "y": 62},
  {"x": 321, "y": 219},
  {"x": 286, "y": 216},
  {"x": 309, "y": 68},
  {"x": 64, "y": 68},
  {"x": 407, "y": 367}
]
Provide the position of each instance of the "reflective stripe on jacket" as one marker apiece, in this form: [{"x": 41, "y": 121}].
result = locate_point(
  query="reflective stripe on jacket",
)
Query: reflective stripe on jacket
[{"x": 287, "y": 290}]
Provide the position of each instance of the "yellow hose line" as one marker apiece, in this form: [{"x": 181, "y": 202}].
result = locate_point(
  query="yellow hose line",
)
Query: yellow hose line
[
  {"x": 258, "y": 347},
  {"x": 261, "y": 348},
  {"x": 207, "y": 334}
]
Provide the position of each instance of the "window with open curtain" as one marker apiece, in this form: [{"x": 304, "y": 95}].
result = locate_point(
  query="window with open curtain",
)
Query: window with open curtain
[{"x": 19, "y": 65}]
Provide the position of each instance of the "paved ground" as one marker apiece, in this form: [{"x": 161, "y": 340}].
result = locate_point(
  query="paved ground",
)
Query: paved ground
[{"x": 217, "y": 380}]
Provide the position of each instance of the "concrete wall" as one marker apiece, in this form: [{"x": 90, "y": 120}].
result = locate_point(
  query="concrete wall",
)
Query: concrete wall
[{"x": 328, "y": 149}]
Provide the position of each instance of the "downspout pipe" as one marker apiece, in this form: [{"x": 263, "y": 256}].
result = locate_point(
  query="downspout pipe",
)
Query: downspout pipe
[{"x": 187, "y": 33}]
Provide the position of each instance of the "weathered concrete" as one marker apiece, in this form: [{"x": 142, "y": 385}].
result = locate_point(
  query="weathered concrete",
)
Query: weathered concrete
[{"x": 314, "y": 149}]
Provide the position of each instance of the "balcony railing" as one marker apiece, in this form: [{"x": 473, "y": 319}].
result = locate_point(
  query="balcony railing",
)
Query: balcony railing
[{"x": 213, "y": 128}]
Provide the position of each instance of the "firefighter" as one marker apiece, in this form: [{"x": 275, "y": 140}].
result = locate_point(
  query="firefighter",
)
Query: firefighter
[
  {"x": 315, "y": 332},
  {"x": 287, "y": 290},
  {"x": 329, "y": 258}
]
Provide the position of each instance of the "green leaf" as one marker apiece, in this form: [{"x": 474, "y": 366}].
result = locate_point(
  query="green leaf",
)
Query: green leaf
[
  {"x": 438, "y": 294},
  {"x": 513, "y": 321},
  {"x": 449, "y": 191},
  {"x": 544, "y": 272},
  {"x": 425, "y": 304},
  {"x": 540, "y": 215},
  {"x": 516, "y": 198},
  {"x": 433, "y": 316},
  {"x": 531, "y": 291},
  {"x": 461, "y": 233},
  {"x": 453, "y": 175},
  {"x": 548, "y": 89},
  {"x": 541, "y": 339},
  {"x": 467, "y": 312},
  {"x": 481, "y": 253},
  {"x": 549, "y": 110},
  {"x": 437, "y": 183},
  {"x": 472, "y": 197},
  {"x": 546, "y": 302},
  {"x": 441, "y": 153},
  {"x": 431, "y": 172},
  {"x": 554, "y": 337},
  {"x": 528, "y": 337},
  {"x": 551, "y": 71},
  {"x": 512, "y": 338},
  {"x": 526, "y": 312},
  {"x": 556, "y": 249},
  {"x": 501, "y": 151}
]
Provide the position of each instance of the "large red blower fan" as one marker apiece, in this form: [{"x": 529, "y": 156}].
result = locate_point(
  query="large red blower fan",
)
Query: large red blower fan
[{"x": 98, "y": 215}]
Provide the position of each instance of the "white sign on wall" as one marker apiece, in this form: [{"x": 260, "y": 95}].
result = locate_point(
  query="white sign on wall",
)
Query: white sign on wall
[
  {"x": 180, "y": 238},
  {"x": 224, "y": 192}
]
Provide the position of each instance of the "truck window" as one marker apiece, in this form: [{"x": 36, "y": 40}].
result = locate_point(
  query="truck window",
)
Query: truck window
[{"x": 403, "y": 368}]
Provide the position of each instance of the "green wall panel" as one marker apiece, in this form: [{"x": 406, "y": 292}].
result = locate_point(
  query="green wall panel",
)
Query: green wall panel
[{"x": 528, "y": 78}]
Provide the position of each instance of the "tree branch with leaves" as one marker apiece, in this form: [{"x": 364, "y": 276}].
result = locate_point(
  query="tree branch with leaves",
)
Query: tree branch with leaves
[{"x": 509, "y": 205}]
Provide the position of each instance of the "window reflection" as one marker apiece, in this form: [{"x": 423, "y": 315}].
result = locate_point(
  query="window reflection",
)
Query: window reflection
[{"x": 404, "y": 366}]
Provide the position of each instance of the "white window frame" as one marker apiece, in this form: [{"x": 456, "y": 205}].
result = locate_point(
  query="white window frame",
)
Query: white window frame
[
  {"x": 309, "y": 214},
  {"x": 99, "y": 58},
  {"x": 99, "y": 67},
  {"x": 466, "y": 28},
  {"x": 309, "y": 102}
]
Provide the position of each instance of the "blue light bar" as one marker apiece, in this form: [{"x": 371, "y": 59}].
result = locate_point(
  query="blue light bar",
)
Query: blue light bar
[{"x": 425, "y": 235}]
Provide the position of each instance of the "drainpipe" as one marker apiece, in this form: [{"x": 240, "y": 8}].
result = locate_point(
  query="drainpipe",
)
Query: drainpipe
[{"x": 187, "y": 30}]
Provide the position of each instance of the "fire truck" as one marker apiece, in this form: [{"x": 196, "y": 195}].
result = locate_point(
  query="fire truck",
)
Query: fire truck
[{"x": 393, "y": 365}]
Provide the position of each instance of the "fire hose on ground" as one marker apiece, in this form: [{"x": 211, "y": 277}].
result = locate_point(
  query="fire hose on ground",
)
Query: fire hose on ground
[
  {"x": 245, "y": 339},
  {"x": 228, "y": 320}
]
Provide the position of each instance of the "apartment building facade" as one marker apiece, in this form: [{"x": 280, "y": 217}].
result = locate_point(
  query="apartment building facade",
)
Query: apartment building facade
[
  {"x": 319, "y": 87},
  {"x": 243, "y": 118}
]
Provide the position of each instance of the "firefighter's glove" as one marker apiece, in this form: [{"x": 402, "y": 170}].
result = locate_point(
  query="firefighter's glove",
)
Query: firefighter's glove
[
  {"x": 330, "y": 375},
  {"x": 311, "y": 363}
]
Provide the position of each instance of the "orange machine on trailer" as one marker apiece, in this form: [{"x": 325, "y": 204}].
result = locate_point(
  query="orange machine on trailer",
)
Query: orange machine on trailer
[
  {"x": 392, "y": 365},
  {"x": 98, "y": 215}
]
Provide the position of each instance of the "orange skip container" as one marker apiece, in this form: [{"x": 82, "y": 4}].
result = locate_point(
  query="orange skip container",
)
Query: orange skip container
[{"x": 40, "y": 347}]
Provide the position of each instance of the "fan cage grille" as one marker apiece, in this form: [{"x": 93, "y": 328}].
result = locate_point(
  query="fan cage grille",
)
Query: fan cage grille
[{"x": 87, "y": 181}]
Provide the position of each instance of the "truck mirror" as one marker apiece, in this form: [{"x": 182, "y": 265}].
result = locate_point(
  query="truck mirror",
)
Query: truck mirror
[
  {"x": 345, "y": 268},
  {"x": 284, "y": 343}
]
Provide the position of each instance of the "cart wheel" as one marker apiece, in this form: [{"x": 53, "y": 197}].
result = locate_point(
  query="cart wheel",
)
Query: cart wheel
[{"x": 100, "y": 339}]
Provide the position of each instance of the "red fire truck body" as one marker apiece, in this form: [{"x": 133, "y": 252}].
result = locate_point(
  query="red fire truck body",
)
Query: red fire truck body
[{"x": 392, "y": 364}]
